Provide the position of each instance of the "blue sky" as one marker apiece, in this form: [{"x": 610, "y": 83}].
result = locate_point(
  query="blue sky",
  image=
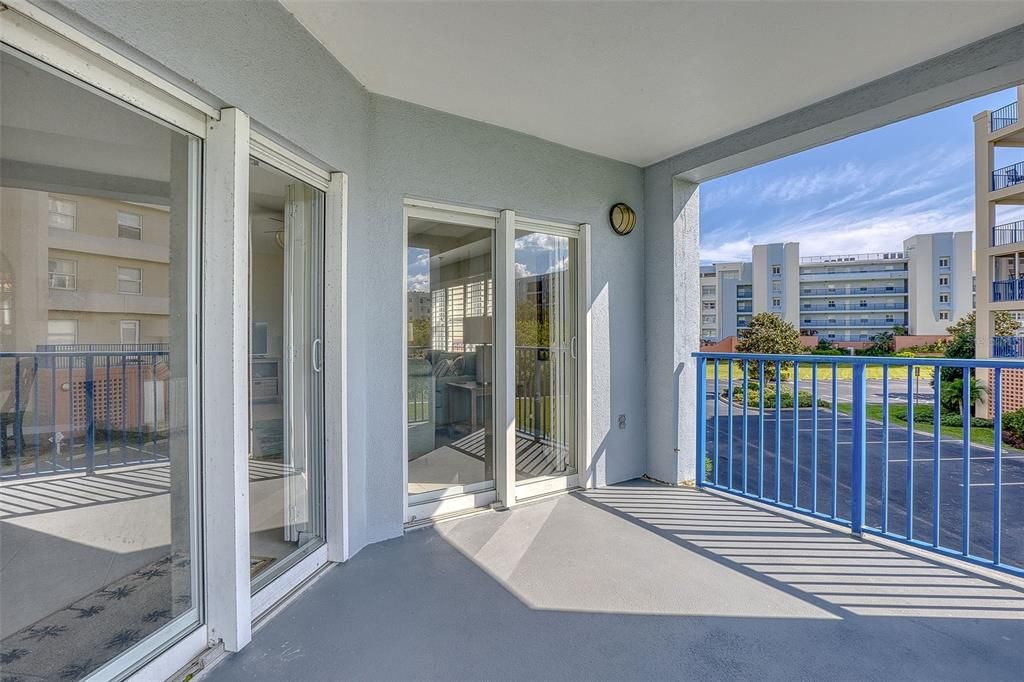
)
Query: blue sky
[{"x": 863, "y": 194}]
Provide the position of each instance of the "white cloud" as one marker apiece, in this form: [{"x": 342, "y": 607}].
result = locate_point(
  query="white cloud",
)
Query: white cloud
[
  {"x": 419, "y": 282},
  {"x": 522, "y": 271}
]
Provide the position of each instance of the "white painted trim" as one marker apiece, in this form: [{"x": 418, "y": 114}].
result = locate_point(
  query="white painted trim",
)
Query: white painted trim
[
  {"x": 225, "y": 352},
  {"x": 504, "y": 359},
  {"x": 548, "y": 226},
  {"x": 449, "y": 505},
  {"x": 165, "y": 665},
  {"x": 265, "y": 149},
  {"x": 450, "y": 491},
  {"x": 335, "y": 349},
  {"x": 545, "y": 486},
  {"x": 283, "y": 585},
  {"x": 456, "y": 497},
  {"x": 587, "y": 477},
  {"x": 29, "y": 29},
  {"x": 450, "y": 208}
]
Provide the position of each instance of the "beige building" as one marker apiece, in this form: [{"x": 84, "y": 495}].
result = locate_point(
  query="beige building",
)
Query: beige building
[
  {"x": 999, "y": 240},
  {"x": 82, "y": 270}
]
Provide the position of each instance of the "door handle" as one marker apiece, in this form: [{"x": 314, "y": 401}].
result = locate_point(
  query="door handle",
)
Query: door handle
[
  {"x": 572, "y": 347},
  {"x": 318, "y": 344}
]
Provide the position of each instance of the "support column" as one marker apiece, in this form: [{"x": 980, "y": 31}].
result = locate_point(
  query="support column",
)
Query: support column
[
  {"x": 504, "y": 360},
  {"x": 225, "y": 348},
  {"x": 672, "y": 262}
]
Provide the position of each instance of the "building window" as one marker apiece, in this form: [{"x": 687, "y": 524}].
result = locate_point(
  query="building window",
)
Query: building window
[
  {"x": 943, "y": 314},
  {"x": 129, "y": 226},
  {"x": 863, "y": 303},
  {"x": 62, "y": 274},
  {"x": 777, "y": 302},
  {"x": 944, "y": 262},
  {"x": 943, "y": 298},
  {"x": 709, "y": 305},
  {"x": 130, "y": 331},
  {"x": 943, "y": 280},
  {"x": 776, "y": 269},
  {"x": 62, "y": 214},
  {"x": 61, "y": 332},
  {"x": 129, "y": 280},
  {"x": 831, "y": 304}
]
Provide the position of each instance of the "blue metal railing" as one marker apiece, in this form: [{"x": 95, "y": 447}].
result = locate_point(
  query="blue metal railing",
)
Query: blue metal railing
[
  {"x": 1008, "y": 290},
  {"x": 853, "y": 291},
  {"x": 1008, "y": 233},
  {"x": 744, "y": 307},
  {"x": 861, "y": 322},
  {"x": 1008, "y": 346},
  {"x": 1004, "y": 116},
  {"x": 1008, "y": 176},
  {"x": 840, "y": 307},
  {"x": 82, "y": 411},
  {"x": 841, "y": 456}
]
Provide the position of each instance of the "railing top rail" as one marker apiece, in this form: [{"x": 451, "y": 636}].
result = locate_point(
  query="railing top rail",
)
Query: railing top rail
[
  {"x": 78, "y": 354},
  {"x": 986, "y": 363},
  {"x": 1012, "y": 166},
  {"x": 854, "y": 257},
  {"x": 1003, "y": 226}
]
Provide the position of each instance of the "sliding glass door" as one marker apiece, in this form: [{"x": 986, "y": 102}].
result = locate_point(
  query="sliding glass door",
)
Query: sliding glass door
[
  {"x": 450, "y": 355},
  {"x": 286, "y": 466},
  {"x": 545, "y": 357}
]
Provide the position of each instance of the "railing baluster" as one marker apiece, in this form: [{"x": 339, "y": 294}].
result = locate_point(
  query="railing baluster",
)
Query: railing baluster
[
  {"x": 718, "y": 435},
  {"x": 760, "y": 429},
  {"x": 124, "y": 409},
  {"x": 857, "y": 465},
  {"x": 965, "y": 498},
  {"x": 814, "y": 437},
  {"x": 53, "y": 415},
  {"x": 936, "y": 456},
  {"x": 746, "y": 406},
  {"x": 796, "y": 433},
  {"x": 35, "y": 412},
  {"x": 71, "y": 412},
  {"x": 778, "y": 430},
  {"x": 106, "y": 407},
  {"x": 702, "y": 427},
  {"x": 730, "y": 396},
  {"x": 997, "y": 470},
  {"x": 911, "y": 398},
  {"x": 90, "y": 418},
  {"x": 833, "y": 508},
  {"x": 17, "y": 417},
  {"x": 885, "y": 447}
]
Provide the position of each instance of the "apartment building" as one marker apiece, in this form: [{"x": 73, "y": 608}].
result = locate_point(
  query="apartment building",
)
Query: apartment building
[
  {"x": 726, "y": 299},
  {"x": 999, "y": 242},
  {"x": 90, "y": 270},
  {"x": 852, "y": 297}
]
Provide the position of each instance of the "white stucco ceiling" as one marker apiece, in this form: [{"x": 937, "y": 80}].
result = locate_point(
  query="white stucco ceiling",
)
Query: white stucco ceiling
[{"x": 637, "y": 81}]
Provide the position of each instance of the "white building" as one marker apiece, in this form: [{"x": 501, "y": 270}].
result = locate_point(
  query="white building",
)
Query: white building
[{"x": 852, "y": 297}]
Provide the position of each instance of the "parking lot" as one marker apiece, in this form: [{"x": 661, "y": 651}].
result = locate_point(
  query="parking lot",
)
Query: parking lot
[{"x": 745, "y": 445}]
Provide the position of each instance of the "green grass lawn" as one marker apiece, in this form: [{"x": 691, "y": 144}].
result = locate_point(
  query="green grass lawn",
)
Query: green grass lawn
[
  {"x": 980, "y": 435},
  {"x": 824, "y": 372}
]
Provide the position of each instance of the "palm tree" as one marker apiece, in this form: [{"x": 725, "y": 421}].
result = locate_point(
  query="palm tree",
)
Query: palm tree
[{"x": 953, "y": 394}]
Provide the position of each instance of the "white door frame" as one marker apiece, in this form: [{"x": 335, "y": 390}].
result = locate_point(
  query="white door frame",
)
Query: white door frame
[
  {"x": 583, "y": 478},
  {"x": 505, "y": 491}
]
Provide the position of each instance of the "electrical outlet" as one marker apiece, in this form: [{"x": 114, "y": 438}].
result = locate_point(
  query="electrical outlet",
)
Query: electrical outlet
[{"x": 622, "y": 421}]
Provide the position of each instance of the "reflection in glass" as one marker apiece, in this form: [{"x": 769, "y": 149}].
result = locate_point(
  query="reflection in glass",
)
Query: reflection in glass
[
  {"x": 97, "y": 468},
  {"x": 545, "y": 354},
  {"x": 285, "y": 385},
  {"x": 450, "y": 358}
]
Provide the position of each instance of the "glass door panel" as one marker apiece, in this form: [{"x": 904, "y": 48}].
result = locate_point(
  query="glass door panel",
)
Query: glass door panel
[
  {"x": 286, "y": 512},
  {"x": 545, "y": 354},
  {"x": 450, "y": 357}
]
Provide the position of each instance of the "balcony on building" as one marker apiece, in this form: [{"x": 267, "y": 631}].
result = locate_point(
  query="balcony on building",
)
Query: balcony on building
[
  {"x": 1008, "y": 176},
  {"x": 1008, "y": 233},
  {"x": 1008, "y": 346},
  {"x": 1003, "y": 117},
  {"x": 853, "y": 291},
  {"x": 744, "y": 292}
]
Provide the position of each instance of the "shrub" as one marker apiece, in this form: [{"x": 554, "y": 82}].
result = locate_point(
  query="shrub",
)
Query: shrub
[
  {"x": 830, "y": 351},
  {"x": 1013, "y": 428}
]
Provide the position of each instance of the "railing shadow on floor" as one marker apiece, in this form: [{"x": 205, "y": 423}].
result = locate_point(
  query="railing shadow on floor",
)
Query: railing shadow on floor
[{"x": 840, "y": 574}]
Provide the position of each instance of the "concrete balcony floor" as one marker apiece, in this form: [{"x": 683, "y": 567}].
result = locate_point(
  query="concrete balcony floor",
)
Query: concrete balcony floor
[{"x": 638, "y": 581}]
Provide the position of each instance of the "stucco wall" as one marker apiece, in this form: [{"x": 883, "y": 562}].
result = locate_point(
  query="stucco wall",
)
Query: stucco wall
[
  {"x": 257, "y": 57},
  {"x": 423, "y": 153}
]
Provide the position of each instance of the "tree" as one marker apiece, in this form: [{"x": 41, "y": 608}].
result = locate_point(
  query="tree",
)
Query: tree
[
  {"x": 769, "y": 334},
  {"x": 952, "y": 397},
  {"x": 964, "y": 332}
]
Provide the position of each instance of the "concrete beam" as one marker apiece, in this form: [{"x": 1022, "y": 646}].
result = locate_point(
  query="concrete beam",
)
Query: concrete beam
[{"x": 985, "y": 66}]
